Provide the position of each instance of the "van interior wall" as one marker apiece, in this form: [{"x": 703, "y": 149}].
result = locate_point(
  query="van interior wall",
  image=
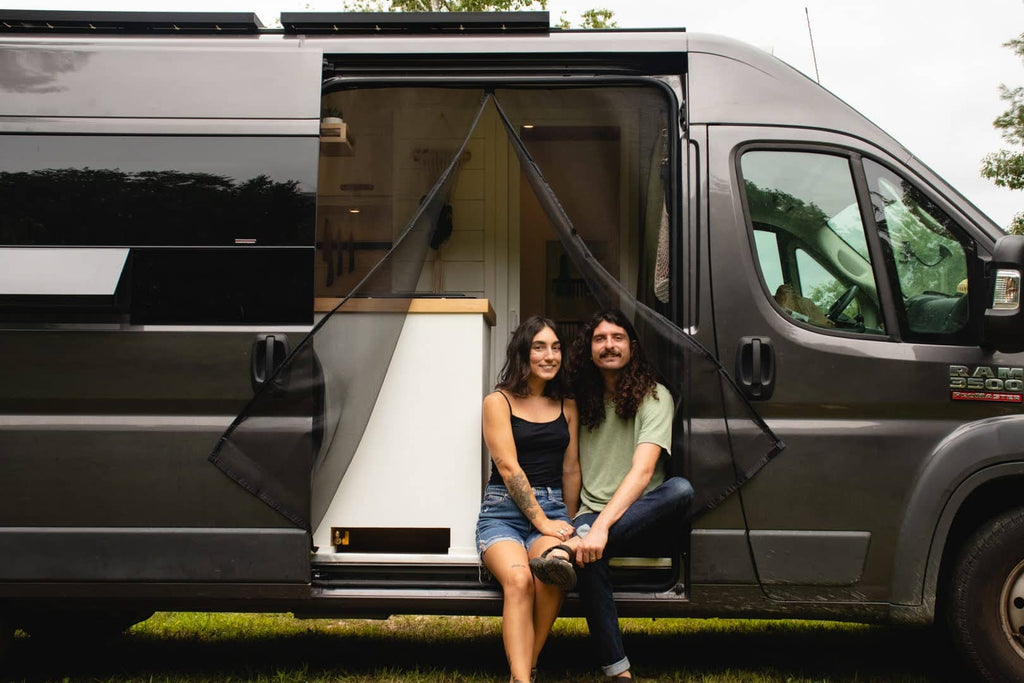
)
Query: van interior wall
[
  {"x": 593, "y": 145},
  {"x": 570, "y": 155}
]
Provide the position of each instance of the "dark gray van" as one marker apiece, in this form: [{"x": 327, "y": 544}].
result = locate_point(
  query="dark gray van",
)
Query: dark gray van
[{"x": 186, "y": 196}]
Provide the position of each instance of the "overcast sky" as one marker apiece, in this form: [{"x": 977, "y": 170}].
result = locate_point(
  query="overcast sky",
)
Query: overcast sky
[{"x": 925, "y": 71}]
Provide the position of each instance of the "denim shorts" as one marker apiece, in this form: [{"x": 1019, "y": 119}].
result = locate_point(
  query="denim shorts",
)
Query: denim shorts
[{"x": 502, "y": 520}]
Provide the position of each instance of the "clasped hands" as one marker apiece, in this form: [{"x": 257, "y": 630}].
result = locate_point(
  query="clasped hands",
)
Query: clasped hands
[{"x": 588, "y": 549}]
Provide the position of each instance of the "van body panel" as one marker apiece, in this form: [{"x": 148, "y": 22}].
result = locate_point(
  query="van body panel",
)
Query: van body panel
[
  {"x": 553, "y": 44},
  {"x": 158, "y": 79},
  {"x": 70, "y": 125},
  {"x": 105, "y": 434},
  {"x": 720, "y": 549},
  {"x": 720, "y": 555},
  {"x": 782, "y": 557},
  {"x": 733, "y": 83},
  {"x": 111, "y": 554}
]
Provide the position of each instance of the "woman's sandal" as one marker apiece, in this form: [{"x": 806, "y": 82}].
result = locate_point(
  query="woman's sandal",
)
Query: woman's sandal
[{"x": 556, "y": 571}]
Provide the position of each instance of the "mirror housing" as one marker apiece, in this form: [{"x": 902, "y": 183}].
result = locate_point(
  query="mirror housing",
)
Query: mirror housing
[{"x": 1004, "y": 316}]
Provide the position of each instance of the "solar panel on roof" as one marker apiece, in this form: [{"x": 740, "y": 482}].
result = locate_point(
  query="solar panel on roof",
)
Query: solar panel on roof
[
  {"x": 415, "y": 22},
  {"x": 169, "y": 23}
]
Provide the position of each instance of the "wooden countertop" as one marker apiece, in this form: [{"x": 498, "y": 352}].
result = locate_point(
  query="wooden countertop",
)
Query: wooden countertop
[{"x": 418, "y": 306}]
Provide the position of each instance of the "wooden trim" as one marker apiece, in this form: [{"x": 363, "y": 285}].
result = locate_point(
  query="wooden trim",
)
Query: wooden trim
[{"x": 370, "y": 305}]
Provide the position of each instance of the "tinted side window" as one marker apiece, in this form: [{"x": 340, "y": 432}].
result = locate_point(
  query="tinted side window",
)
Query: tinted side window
[
  {"x": 810, "y": 240},
  {"x": 115, "y": 190},
  {"x": 161, "y": 230},
  {"x": 926, "y": 255}
]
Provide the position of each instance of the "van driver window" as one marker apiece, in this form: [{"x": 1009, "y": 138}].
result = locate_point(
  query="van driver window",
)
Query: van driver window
[
  {"x": 809, "y": 238},
  {"x": 929, "y": 261}
]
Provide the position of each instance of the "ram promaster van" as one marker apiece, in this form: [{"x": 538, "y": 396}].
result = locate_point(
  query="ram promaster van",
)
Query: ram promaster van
[{"x": 185, "y": 197}]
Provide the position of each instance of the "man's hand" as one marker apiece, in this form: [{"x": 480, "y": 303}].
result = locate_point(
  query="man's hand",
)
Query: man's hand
[{"x": 591, "y": 547}]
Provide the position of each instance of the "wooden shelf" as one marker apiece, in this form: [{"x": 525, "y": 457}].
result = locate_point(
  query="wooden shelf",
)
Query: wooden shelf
[
  {"x": 335, "y": 140},
  {"x": 387, "y": 305}
]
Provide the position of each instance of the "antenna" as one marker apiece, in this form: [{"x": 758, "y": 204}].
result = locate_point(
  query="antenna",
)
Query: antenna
[{"x": 814, "y": 56}]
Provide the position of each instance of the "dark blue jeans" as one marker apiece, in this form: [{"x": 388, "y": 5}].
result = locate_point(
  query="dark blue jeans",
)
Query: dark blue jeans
[{"x": 594, "y": 581}]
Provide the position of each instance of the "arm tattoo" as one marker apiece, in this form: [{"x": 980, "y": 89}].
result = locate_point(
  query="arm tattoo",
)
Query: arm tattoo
[{"x": 519, "y": 488}]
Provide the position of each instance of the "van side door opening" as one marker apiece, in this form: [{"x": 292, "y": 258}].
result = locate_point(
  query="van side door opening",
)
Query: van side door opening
[{"x": 495, "y": 248}]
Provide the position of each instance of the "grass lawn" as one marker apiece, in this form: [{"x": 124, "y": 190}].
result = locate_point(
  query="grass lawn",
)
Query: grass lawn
[{"x": 185, "y": 646}]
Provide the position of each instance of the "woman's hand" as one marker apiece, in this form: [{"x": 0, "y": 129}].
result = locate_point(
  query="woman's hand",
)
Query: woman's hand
[{"x": 563, "y": 531}]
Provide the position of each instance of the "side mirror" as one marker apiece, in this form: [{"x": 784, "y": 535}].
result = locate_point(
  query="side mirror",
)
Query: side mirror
[{"x": 1004, "y": 318}]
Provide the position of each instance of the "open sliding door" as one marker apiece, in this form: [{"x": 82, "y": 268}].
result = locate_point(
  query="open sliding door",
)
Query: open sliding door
[{"x": 168, "y": 224}]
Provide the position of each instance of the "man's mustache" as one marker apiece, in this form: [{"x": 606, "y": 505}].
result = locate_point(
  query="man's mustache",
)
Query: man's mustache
[{"x": 605, "y": 354}]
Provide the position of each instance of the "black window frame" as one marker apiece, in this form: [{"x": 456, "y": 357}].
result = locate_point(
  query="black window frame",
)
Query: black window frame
[
  {"x": 885, "y": 302},
  {"x": 882, "y": 260}
]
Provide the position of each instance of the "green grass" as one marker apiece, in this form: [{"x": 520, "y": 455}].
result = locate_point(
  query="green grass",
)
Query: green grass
[{"x": 267, "y": 648}]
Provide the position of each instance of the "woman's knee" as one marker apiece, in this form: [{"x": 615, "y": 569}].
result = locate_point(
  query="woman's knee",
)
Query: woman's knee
[{"x": 518, "y": 583}]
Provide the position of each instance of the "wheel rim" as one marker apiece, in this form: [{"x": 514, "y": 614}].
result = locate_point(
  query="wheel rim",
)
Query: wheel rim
[{"x": 1011, "y": 604}]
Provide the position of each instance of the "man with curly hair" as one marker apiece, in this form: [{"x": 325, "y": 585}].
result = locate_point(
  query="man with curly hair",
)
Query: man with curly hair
[{"x": 625, "y": 438}]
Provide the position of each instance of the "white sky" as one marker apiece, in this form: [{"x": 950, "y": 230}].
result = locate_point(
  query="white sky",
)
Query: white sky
[{"x": 927, "y": 72}]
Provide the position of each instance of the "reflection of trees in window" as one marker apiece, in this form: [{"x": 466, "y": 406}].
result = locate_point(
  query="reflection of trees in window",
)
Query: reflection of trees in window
[
  {"x": 827, "y": 293},
  {"x": 782, "y": 209},
  {"x": 928, "y": 257},
  {"x": 103, "y": 206}
]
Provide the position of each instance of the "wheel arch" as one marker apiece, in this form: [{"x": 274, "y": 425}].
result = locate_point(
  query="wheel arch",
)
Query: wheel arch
[
  {"x": 973, "y": 474},
  {"x": 1001, "y": 490}
]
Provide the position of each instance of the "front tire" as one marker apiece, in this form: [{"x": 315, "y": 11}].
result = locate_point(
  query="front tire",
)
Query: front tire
[{"x": 986, "y": 599}]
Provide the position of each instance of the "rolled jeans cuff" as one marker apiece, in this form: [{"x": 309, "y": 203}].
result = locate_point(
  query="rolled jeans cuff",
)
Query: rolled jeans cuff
[{"x": 617, "y": 668}]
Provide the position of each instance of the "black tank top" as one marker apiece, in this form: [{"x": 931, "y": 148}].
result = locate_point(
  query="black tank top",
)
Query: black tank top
[{"x": 540, "y": 448}]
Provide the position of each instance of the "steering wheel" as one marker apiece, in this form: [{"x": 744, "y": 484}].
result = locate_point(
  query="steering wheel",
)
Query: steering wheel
[{"x": 841, "y": 303}]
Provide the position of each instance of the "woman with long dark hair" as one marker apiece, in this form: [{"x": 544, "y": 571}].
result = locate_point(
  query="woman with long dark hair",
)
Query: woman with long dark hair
[{"x": 530, "y": 430}]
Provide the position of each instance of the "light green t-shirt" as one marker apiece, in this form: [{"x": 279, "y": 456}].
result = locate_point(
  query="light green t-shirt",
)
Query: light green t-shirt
[{"x": 606, "y": 453}]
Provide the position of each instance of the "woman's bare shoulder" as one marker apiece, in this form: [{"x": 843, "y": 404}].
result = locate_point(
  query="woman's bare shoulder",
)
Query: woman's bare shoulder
[
  {"x": 571, "y": 411},
  {"x": 496, "y": 399}
]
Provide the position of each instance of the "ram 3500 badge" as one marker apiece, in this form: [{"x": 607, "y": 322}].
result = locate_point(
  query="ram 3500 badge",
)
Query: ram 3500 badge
[{"x": 984, "y": 383}]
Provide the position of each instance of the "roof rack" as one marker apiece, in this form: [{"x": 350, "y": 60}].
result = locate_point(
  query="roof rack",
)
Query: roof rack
[
  {"x": 168, "y": 23},
  {"x": 310, "y": 23}
]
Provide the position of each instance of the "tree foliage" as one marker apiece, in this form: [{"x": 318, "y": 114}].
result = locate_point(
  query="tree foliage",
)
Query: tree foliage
[
  {"x": 1006, "y": 167},
  {"x": 592, "y": 18},
  {"x": 599, "y": 18},
  {"x": 446, "y": 5},
  {"x": 110, "y": 206}
]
